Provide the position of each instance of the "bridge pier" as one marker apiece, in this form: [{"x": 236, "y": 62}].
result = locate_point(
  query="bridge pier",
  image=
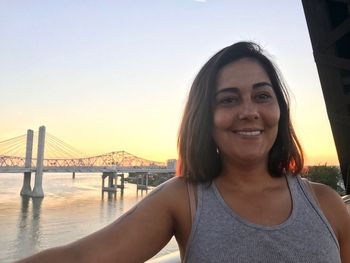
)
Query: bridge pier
[
  {"x": 112, "y": 182},
  {"x": 38, "y": 184},
  {"x": 142, "y": 182},
  {"x": 73, "y": 175},
  {"x": 26, "y": 188}
]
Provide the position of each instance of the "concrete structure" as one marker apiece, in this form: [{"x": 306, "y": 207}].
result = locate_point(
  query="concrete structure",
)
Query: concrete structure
[
  {"x": 38, "y": 188},
  {"x": 142, "y": 182},
  {"x": 171, "y": 163},
  {"x": 113, "y": 182},
  {"x": 26, "y": 188}
]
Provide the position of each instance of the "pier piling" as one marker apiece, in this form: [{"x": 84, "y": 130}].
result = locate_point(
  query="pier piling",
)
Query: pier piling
[
  {"x": 112, "y": 182},
  {"x": 26, "y": 188},
  {"x": 38, "y": 188},
  {"x": 142, "y": 182}
]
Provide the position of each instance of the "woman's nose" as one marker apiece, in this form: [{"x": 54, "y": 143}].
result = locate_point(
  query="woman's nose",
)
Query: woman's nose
[{"x": 248, "y": 111}]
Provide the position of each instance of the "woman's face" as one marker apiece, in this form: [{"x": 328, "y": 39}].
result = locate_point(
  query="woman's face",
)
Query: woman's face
[{"x": 246, "y": 112}]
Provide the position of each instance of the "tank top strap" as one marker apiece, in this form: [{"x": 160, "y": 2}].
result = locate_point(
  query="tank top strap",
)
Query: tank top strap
[
  {"x": 196, "y": 217},
  {"x": 310, "y": 199}
]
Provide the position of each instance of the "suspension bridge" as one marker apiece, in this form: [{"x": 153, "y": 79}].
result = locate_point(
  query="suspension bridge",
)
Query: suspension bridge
[{"x": 16, "y": 156}]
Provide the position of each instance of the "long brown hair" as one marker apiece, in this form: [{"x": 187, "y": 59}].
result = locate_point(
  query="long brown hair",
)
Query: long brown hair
[{"x": 198, "y": 157}]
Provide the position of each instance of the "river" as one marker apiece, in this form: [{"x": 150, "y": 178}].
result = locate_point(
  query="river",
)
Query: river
[{"x": 71, "y": 209}]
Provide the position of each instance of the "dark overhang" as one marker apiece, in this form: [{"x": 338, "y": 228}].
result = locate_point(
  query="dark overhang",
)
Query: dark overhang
[{"x": 329, "y": 27}]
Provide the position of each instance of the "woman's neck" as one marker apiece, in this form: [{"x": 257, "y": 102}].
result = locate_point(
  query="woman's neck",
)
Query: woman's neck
[{"x": 249, "y": 176}]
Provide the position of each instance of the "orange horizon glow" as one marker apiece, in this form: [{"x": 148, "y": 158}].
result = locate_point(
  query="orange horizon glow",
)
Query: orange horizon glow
[{"x": 319, "y": 149}]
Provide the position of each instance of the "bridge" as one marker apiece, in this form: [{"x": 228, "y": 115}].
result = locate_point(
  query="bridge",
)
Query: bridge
[{"x": 16, "y": 157}]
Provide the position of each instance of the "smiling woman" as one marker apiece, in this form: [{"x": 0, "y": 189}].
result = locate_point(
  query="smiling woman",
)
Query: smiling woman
[
  {"x": 246, "y": 113},
  {"x": 239, "y": 197},
  {"x": 230, "y": 71}
]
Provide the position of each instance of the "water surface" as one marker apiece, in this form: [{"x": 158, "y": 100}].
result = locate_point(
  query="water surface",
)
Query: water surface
[{"x": 71, "y": 209}]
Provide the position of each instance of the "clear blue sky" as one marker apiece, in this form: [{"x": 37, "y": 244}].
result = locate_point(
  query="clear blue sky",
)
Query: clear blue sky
[{"x": 114, "y": 75}]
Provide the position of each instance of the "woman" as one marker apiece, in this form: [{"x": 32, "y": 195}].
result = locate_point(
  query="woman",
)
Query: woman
[{"x": 239, "y": 198}]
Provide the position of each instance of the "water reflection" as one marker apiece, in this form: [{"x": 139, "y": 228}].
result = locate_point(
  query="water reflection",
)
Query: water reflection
[
  {"x": 36, "y": 211},
  {"x": 142, "y": 193},
  {"x": 110, "y": 196},
  {"x": 28, "y": 227},
  {"x": 113, "y": 199},
  {"x": 71, "y": 209}
]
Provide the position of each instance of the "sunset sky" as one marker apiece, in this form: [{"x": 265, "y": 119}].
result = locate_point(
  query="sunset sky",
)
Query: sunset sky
[{"x": 114, "y": 75}]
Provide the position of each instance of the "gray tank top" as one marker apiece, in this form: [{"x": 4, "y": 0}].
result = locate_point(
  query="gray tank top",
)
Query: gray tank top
[{"x": 220, "y": 235}]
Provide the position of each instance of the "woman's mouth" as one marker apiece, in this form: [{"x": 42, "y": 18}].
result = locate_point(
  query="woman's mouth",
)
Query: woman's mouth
[{"x": 249, "y": 133}]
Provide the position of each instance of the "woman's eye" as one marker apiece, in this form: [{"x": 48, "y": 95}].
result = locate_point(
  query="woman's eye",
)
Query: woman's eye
[
  {"x": 227, "y": 101},
  {"x": 263, "y": 96}
]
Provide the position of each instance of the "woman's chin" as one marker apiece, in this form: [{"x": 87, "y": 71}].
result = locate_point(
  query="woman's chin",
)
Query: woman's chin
[{"x": 248, "y": 158}]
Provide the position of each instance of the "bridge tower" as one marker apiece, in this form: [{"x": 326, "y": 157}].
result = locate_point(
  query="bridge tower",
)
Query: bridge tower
[
  {"x": 26, "y": 188},
  {"x": 38, "y": 188}
]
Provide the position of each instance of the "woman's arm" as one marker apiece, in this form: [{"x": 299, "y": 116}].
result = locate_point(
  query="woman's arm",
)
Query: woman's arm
[
  {"x": 337, "y": 214},
  {"x": 134, "y": 237}
]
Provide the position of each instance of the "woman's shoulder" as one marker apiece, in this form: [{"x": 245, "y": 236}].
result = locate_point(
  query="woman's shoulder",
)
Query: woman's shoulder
[
  {"x": 173, "y": 192},
  {"x": 175, "y": 185},
  {"x": 327, "y": 197},
  {"x": 332, "y": 205},
  {"x": 335, "y": 210}
]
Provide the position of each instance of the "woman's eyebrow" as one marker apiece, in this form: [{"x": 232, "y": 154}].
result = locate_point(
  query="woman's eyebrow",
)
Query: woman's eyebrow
[
  {"x": 262, "y": 84},
  {"x": 229, "y": 90},
  {"x": 236, "y": 90}
]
